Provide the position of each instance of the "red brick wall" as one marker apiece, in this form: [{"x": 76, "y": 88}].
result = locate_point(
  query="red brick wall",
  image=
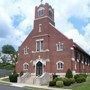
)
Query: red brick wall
[{"x": 51, "y": 36}]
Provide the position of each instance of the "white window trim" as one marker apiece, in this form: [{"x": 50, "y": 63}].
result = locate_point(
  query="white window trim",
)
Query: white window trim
[
  {"x": 24, "y": 66},
  {"x": 51, "y": 10},
  {"x": 41, "y": 8},
  {"x": 57, "y": 65},
  {"x": 26, "y": 50},
  {"x": 59, "y": 48},
  {"x": 40, "y": 45},
  {"x": 40, "y": 27}
]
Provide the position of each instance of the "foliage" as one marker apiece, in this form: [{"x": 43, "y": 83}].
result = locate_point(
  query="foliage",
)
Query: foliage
[
  {"x": 76, "y": 76},
  {"x": 52, "y": 83},
  {"x": 67, "y": 82},
  {"x": 58, "y": 79},
  {"x": 8, "y": 49},
  {"x": 82, "y": 86},
  {"x": 81, "y": 79},
  {"x": 69, "y": 74},
  {"x": 13, "y": 77},
  {"x": 83, "y": 74},
  {"x": 6, "y": 66},
  {"x": 59, "y": 84},
  {"x": 72, "y": 80},
  {"x": 54, "y": 76}
]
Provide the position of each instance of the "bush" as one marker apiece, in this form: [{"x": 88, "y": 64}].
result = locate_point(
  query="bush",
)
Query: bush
[
  {"x": 58, "y": 79},
  {"x": 67, "y": 81},
  {"x": 52, "y": 83},
  {"x": 59, "y": 84},
  {"x": 72, "y": 80},
  {"x": 76, "y": 76},
  {"x": 13, "y": 77},
  {"x": 84, "y": 75},
  {"x": 81, "y": 79},
  {"x": 69, "y": 74},
  {"x": 54, "y": 76}
]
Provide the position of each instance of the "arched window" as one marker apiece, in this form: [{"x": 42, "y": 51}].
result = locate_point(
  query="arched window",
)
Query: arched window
[
  {"x": 60, "y": 65},
  {"x": 25, "y": 66},
  {"x": 51, "y": 13},
  {"x": 41, "y": 11}
]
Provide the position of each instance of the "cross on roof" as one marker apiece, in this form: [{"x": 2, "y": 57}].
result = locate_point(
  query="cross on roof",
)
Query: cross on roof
[{"x": 41, "y": 1}]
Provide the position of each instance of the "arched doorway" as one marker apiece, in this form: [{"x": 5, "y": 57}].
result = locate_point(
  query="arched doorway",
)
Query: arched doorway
[{"x": 39, "y": 69}]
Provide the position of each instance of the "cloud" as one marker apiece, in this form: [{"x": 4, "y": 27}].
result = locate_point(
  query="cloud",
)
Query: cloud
[
  {"x": 76, "y": 9},
  {"x": 16, "y": 20},
  {"x": 4, "y": 24}
]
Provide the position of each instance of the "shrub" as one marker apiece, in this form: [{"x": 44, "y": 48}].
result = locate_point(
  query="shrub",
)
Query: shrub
[
  {"x": 52, "y": 83},
  {"x": 80, "y": 79},
  {"x": 13, "y": 77},
  {"x": 54, "y": 76},
  {"x": 69, "y": 74},
  {"x": 76, "y": 76},
  {"x": 72, "y": 80},
  {"x": 84, "y": 75},
  {"x": 58, "y": 79},
  {"x": 67, "y": 82},
  {"x": 59, "y": 84}
]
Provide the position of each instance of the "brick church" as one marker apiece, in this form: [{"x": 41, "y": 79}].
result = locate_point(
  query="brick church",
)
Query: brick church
[{"x": 47, "y": 51}]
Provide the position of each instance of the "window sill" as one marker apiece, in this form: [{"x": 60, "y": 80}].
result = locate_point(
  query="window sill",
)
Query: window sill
[
  {"x": 40, "y": 51},
  {"x": 60, "y": 50},
  {"x": 26, "y": 53},
  {"x": 59, "y": 68},
  {"x": 25, "y": 69}
]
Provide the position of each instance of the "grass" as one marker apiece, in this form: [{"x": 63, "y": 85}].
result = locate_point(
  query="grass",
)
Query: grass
[
  {"x": 80, "y": 86},
  {"x": 76, "y": 86}
]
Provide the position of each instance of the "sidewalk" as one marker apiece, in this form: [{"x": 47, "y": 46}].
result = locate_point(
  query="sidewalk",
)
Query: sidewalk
[{"x": 28, "y": 86}]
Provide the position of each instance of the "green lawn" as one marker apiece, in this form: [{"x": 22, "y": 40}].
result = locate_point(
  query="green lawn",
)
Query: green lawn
[
  {"x": 81, "y": 86},
  {"x": 76, "y": 86}
]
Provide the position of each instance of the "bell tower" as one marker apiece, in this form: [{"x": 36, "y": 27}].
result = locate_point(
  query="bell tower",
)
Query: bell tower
[{"x": 44, "y": 13}]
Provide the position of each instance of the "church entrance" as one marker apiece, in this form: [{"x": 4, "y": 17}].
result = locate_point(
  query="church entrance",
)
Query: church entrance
[{"x": 39, "y": 69}]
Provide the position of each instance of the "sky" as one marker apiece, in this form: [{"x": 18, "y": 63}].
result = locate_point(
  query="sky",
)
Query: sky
[{"x": 72, "y": 18}]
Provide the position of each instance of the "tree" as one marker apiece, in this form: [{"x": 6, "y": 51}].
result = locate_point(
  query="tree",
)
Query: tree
[
  {"x": 8, "y": 49},
  {"x": 69, "y": 74}
]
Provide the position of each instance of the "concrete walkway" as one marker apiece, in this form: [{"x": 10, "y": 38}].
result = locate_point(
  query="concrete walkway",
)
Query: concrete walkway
[
  {"x": 35, "y": 86},
  {"x": 32, "y": 86}
]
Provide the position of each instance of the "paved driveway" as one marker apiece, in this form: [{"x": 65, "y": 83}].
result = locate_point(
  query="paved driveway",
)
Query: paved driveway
[{"x": 5, "y": 87}]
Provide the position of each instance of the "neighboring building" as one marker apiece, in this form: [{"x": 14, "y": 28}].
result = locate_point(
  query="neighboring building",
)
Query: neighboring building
[
  {"x": 5, "y": 58},
  {"x": 47, "y": 51}
]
